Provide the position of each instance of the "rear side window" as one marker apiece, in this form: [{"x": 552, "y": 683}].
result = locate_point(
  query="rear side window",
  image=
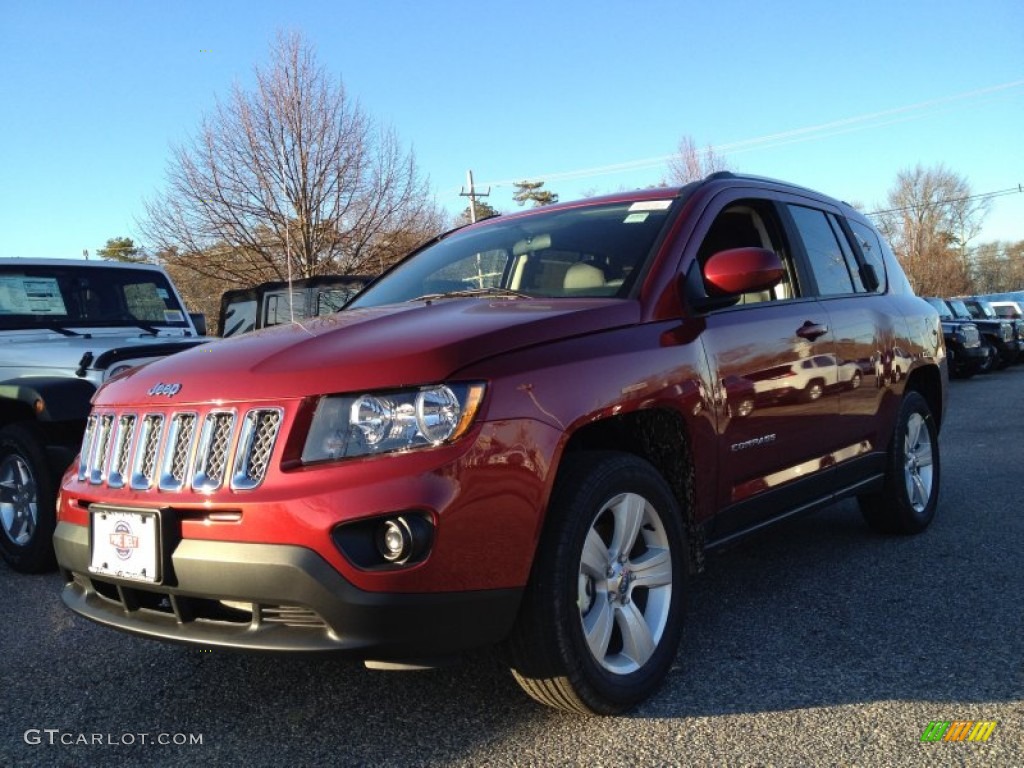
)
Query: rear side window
[
  {"x": 829, "y": 261},
  {"x": 871, "y": 250}
]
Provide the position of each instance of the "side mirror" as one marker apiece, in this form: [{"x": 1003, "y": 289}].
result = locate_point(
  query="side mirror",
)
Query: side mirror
[
  {"x": 199, "y": 321},
  {"x": 728, "y": 274},
  {"x": 742, "y": 270}
]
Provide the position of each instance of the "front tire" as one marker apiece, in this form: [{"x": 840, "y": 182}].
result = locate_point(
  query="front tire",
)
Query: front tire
[
  {"x": 27, "y": 500},
  {"x": 603, "y": 613},
  {"x": 814, "y": 391},
  {"x": 907, "y": 503},
  {"x": 992, "y": 356}
]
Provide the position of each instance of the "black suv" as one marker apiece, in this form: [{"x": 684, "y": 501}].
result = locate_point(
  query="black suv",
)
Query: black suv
[
  {"x": 965, "y": 352},
  {"x": 996, "y": 334},
  {"x": 981, "y": 309}
]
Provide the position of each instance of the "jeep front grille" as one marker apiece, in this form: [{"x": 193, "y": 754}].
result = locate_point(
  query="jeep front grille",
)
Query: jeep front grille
[
  {"x": 179, "y": 449},
  {"x": 179, "y": 446},
  {"x": 148, "y": 443},
  {"x": 119, "y": 460},
  {"x": 971, "y": 336},
  {"x": 259, "y": 429},
  {"x": 212, "y": 457}
]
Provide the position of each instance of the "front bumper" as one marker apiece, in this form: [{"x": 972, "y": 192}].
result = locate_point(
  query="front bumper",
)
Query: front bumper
[
  {"x": 970, "y": 360},
  {"x": 978, "y": 353},
  {"x": 274, "y": 597}
]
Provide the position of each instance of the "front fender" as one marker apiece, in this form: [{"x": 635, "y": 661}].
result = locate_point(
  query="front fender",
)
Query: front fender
[{"x": 51, "y": 398}]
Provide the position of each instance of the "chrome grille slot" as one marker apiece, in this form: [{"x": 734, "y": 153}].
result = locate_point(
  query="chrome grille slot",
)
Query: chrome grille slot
[
  {"x": 212, "y": 455},
  {"x": 255, "y": 446},
  {"x": 122, "y": 451},
  {"x": 174, "y": 468},
  {"x": 100, "y": 448},
  {"x": 86, "y": 452},
  {"x": 144, "y": 466}
]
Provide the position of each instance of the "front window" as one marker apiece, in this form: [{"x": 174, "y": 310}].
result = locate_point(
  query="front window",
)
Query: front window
[
  {"x": 982, "y": 310},
  {"x": 941, "y": 308},
  {"x": 595, "y": 250},
  {"x": 960, "y": 309},
  {"x": 57, "y": 295}
]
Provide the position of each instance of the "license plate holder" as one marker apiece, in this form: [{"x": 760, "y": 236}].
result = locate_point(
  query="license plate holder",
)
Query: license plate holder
[{"x": 125, "y": 543}]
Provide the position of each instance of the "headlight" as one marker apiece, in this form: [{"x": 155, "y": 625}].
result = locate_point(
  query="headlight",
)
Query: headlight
[{"x": 382, "y": 422}]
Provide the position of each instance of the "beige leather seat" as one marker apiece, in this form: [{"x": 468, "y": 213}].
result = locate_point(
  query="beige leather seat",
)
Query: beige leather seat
[{"x": 581, "y": 276}]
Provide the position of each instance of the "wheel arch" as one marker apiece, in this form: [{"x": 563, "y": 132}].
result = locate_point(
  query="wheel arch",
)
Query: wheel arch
[
  {"x": 56, "y": 407},
  {"x": 660, "y": 436},
  {"x": 46, "y": 398},
  {"x": 927, "y": 381}
]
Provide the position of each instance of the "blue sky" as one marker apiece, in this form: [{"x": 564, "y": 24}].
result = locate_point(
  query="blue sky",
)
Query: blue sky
[{"x": 591, "y": 96}]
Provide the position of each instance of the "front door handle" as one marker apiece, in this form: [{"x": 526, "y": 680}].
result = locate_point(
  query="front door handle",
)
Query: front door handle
[{"x": 811, "y": 331}]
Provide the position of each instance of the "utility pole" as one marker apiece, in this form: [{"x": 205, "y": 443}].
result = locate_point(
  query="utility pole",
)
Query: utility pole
[{"x": 473, "y": 195}]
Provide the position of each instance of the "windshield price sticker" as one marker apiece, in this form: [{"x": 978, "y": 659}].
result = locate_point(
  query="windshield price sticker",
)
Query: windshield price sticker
[
  {"x": 650, "y": 205},
  {"x": 31, "y": 296}
]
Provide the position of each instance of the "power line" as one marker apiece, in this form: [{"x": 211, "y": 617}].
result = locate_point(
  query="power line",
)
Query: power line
[
  {"x": 782, "y": 138},
  {"x": 1019, "y": 189}
]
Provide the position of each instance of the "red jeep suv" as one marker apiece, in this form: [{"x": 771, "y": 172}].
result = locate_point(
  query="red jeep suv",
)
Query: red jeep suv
[{"x": 527, "y": 433}]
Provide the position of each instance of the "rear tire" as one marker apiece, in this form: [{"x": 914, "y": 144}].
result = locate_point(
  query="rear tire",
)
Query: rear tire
[
  {"x": 907, "y": 503},
  {"x": 602, "y": 615},
  {"x": 27, "y": 500}
]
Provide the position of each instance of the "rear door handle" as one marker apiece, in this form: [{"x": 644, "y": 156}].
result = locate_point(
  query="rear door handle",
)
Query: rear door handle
[{"x": 811, "y": 331}]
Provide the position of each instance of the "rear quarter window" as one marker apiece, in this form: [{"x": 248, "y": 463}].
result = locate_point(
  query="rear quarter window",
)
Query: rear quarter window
[{"x": 871, "y": 248}]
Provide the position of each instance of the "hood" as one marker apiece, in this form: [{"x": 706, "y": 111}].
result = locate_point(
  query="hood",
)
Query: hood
[
  {"x": 37, "y": 352},
  {"x": 362, "y": 349}
]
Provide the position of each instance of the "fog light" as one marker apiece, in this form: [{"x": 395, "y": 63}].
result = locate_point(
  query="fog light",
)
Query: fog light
[
  {"x": 404, "y": 539},
  {"x": 397, "y": 540},
  {"x": 394, "y": 540}
]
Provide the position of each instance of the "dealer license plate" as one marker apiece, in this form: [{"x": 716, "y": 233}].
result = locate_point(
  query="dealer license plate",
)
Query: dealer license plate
[{"x": 125, "y": 543}]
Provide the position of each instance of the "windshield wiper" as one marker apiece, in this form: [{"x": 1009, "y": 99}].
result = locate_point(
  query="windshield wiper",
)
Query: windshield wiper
[{"x": 504, "y": 293}]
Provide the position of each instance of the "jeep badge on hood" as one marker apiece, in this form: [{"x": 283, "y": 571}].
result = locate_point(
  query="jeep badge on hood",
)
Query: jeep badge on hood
[{"x": 169, "y": 390}]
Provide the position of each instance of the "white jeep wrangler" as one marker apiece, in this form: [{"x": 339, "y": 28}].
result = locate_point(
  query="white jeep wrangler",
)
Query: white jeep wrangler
[{"x": 67, "y": 326}]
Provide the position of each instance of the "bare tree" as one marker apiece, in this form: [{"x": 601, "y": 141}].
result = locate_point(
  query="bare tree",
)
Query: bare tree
[
  {"x": 998, "y": 267},
  {"x": 294, "y": 167},
  {"x": 930, "y": 219},
  {"x": 693, "y": 164}
]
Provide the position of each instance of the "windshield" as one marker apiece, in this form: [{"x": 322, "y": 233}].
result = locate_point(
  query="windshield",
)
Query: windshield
[
  {"x": 983, "y": 309},
  {"x": 596, "y": 250},
  {"x": 942, "y": 308},
  {"x": 959, "y": 309},
  {"x": 1006, "y": 310},
  {"x": 59, "y": 296}
]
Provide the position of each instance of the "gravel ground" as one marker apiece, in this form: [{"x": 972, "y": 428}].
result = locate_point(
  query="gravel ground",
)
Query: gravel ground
[{"x": 815, "y": 643}]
